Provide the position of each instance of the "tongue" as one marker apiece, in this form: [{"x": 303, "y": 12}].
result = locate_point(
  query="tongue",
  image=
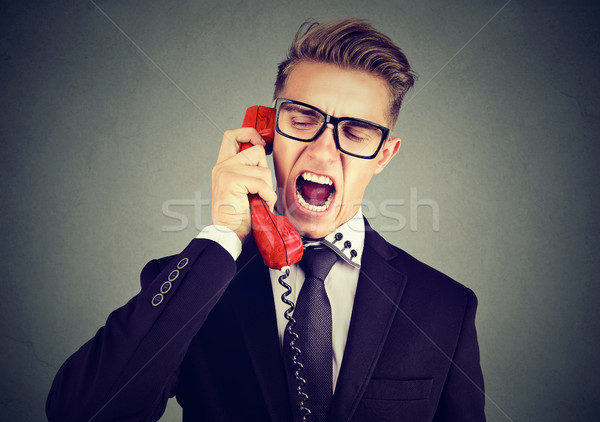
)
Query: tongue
[{"x": 314, "y": 193}]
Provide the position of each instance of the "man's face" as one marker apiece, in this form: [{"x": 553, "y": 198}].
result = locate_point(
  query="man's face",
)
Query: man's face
[{"x": 340, "y": 93}]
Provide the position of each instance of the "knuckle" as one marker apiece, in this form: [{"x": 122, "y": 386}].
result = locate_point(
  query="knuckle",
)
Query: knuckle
[
  {"x": 226, "y": 176},
  {"x": 222, "y": 177},
  {"x": 266, "y": 186},
  {"x": 266, "y": 172},
  {"x": 216, "y": 172}
]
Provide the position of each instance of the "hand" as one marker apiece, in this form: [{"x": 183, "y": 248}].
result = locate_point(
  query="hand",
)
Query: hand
[{"x": 235, "y": 175}]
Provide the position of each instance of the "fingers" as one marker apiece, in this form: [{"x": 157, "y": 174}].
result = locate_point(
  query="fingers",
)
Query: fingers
[
  {"x": 235, "y": 175},
  {"x": 232, "y": 138},
  {"x": 251, "y": 157},
  {"x": 242, "y": 180},
  {"x": 262, "y": 186},
  {"x": 231, "y": 185}
]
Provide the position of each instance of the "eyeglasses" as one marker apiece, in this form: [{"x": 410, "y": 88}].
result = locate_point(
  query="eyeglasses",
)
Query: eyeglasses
[{"x": 304, "y": 123}]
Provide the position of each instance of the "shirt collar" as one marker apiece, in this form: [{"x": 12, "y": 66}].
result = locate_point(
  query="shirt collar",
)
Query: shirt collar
[{"x": 348, "y": 240}]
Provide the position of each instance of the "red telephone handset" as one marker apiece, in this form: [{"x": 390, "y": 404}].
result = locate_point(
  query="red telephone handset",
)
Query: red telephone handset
[{"x": 278, "y": 241}]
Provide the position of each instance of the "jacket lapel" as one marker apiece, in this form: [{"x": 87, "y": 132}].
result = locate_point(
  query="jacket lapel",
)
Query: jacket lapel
[
  {"x": 252, "y": 300},
  {"x": 378, "y": 293}
]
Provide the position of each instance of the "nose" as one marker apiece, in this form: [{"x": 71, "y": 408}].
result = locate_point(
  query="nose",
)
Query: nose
[{"x": 324, "y": 148}]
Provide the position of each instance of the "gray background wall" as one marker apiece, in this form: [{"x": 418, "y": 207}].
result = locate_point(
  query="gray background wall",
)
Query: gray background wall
[{"x": 95, "y": 140}]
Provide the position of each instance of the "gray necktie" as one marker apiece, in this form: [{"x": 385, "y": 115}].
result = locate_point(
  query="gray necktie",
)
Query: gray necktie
[{"x": 313, "y": 328}]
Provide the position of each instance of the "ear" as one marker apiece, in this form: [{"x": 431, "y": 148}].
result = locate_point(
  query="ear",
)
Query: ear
[{"x": 388, "y": 150}]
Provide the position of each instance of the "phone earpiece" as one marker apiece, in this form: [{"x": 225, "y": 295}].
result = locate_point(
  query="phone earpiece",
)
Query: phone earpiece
[{"x": 263, "y": 120}]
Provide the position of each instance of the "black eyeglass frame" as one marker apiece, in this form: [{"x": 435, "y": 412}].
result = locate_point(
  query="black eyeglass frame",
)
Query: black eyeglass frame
[{"x": 385, "y": 132}]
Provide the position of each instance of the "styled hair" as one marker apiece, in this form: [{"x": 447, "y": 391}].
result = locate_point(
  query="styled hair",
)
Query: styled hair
[{"x": 352, "y": 44}]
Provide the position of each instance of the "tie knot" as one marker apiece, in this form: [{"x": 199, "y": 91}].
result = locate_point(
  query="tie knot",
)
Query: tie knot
[{"x": 318, "y": 262}]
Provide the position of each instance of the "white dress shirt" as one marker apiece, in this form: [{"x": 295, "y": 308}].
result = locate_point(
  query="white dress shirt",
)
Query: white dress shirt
[{"x": 340, "y": 283}]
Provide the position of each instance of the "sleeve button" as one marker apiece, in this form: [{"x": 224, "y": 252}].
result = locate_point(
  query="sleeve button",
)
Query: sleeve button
[
  {"x": 182, "y": 263},
  {"x": 166, "y": 286},
  {"x": 173, "y": 275},
  {"x": 157, "y": 299}
]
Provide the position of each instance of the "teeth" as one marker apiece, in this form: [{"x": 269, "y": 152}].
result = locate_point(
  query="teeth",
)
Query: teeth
[
  {"x": 314, "y": 207},
  {"x": 311, "y": 177},
  {"x": 322, "y": 180}
]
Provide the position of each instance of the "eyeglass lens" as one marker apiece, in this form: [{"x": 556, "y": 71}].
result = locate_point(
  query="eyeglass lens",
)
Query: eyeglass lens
[{"x": 304, "y": 123}]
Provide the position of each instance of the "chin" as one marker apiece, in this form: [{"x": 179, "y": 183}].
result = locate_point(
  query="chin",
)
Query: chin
[
  {"x": 315, "y": 232},
  {"x": 310, "y": 223}
]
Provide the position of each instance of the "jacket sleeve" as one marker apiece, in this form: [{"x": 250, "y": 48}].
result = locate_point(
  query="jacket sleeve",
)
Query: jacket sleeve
[
  {"x": 463, "y": 396},
  {"x": 128, "y": 370}
]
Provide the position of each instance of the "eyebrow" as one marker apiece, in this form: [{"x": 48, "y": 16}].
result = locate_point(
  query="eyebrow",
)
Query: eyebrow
[
  {"x": 303, "y": 110},
  {"x": 364, "y": 125}
]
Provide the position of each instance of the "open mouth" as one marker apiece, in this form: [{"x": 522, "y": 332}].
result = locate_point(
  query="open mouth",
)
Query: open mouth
[{"x": 314, "y": 192}]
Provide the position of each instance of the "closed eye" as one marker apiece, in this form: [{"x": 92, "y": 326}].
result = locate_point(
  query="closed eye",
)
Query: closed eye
[
  {"x": 360, "y": 132},
  {"x": 304, "y": 122},
  {"x": 356, "y": 135}
]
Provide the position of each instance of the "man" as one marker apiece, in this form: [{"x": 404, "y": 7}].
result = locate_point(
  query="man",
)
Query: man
[{"x": 400, "y": 337}]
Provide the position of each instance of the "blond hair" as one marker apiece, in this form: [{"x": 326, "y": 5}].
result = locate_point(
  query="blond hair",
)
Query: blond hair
[{"x": 353, "y": 44}]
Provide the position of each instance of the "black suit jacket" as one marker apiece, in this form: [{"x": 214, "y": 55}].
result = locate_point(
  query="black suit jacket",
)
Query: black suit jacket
[{"x": 211, "y": 339}]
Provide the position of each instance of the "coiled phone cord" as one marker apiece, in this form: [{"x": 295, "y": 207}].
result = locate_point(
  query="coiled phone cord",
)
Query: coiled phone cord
[{"x": 300, "y": 382}]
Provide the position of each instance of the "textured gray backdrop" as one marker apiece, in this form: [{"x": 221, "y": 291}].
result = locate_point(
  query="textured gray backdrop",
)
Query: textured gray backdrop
[{"x": 101, "y": 134}]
